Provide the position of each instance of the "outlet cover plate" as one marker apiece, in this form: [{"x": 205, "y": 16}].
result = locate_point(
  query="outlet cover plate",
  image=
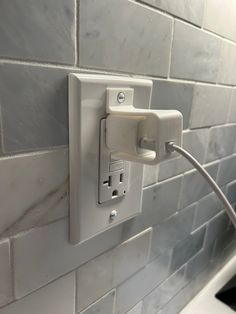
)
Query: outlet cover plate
[{"x": 87, "y": 106}]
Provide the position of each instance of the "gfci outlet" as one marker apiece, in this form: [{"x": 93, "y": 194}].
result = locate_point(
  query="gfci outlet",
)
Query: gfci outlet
[
  {"x": 105, "y": 189},
  {"x": 113, "y": 173}
]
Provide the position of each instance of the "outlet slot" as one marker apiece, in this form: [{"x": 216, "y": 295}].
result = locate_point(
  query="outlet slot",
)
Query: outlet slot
[
  {"x": 108, "y": 182},
  {"x": 121, "y": 177},
  {"x": 115, "y": 193}
]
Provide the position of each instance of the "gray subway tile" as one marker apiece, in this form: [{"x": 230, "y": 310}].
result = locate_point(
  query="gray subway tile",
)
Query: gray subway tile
[
  {"x": 227, "y": 63},
  {"x": 173, "y": 95},
  {"x": 137, "y": 309},
  {"x": 198, "y": 263},
  {"x": 216, "y": 227},
  {"x": 157, "y": 206},
  {"x": 142, "y": 283},
  {"x": 221, "y": 142},
  {"x": 94, "y": 279},
  {"x": 187, "y": 248},
  {"x": 232, "y": 110},
  {"x": 231, "y": 192},
  {"x": 55, "y": 298},
  {"x": 164, "y": 293},
  {"x": 102, "y": 306},
  {"x": 195, "y": 187},
  {"x": 156, "y": 198},
  {"x": 107, "y": 39},
  {"x": 150, "y": 175},
  {"x": 217, "y": 12},
  {"x": 195, "y": 54},
  {"x": 105, "y": 272},
  {"x": 191, "y": 11},
  {"x": 206, "y": 209},
  {"x": 38, "y": 184},
  {"x": 172, "y": 231},
  {"x": 34, "y": 115},
  {"x": 6, "y": 295},
  {"x": 195, "y": 142},
  {"x": 176, "y": 304},
  {"x": 223, "y": 244},
  {"x": 210, "y": 105},
  {"x": 227, "y": 170},
  {"x": 43, "y": 254},
  {"x": 42, "y": 30}
]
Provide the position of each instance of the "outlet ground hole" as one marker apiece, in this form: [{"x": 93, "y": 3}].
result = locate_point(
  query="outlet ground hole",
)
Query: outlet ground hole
[{"x": 114, "y": 193}]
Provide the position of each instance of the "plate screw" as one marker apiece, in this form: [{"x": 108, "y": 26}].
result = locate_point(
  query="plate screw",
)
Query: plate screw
[
  {"x": 121, "y": 97},
  {"x": 113, "y": 214}
]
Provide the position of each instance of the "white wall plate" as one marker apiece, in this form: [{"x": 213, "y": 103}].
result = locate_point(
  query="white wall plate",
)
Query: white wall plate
[{"x": 87, "y": 107}]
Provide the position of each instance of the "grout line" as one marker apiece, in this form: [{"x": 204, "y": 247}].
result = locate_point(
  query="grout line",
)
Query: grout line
[
  {"x": 164, "y": 12},
  {"x": 36, "y": 63},
  {"x": 114, "y": 302},
  {"x": 185, "y": 21},
  {"x": 1, "y": 131},
  {"x": 204, "y": 13},
  {"x": 75, "y": 33},
  {"x": 110, "y": 72},
  {"x": 76, "y": 291},
  {"x": 171, "y": 47},
  {"x": 12, "y": 269},
  {"x": 230, "y": 106},
  {"x": 207, "y": 145}
]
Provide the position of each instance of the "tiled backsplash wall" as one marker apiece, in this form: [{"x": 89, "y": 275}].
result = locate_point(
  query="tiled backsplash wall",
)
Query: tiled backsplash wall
[{"x": 155, "y": 263}]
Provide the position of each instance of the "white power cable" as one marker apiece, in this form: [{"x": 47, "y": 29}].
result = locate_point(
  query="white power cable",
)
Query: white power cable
[{"x": 171, "y": 147}]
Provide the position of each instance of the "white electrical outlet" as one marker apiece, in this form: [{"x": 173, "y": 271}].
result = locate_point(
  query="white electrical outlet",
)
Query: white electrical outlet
[
  {"x": 94, "y": 206},
  {"x": 113, "y": 174}
]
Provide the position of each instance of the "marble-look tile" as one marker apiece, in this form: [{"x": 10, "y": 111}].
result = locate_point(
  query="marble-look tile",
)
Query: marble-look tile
[
  {"x": 42, "y": 30},
  {"x": 6, "y": 288},
  {"x": 195, "y": 54},
  {"x": 157, "y": 197},
  {"x": 216, "y": 227},
  {"x": 107, "y": 40},
  {"x": 38, "y": 184},
  {"x": 231, "y": 192},
  {"x": 94, "y": 279},
  {"x": 188, "y": 292},
  {"x": 35, "y": 115},
  {"x": 157, "y": 206},
  {"x": 191, "y": 11},
  {"x": 173, "y": 95},
  {"x": 217, "y": 12},
  {"x": 55, "y": 298},
  {"x": 172, "y": 231},
  {"x": 227, "y": 64},
  {"x": 195, "y": 187},
  {"x": 137, "y": 309},
  {"x": 102, "y": 306},
  {"x": 198, "y": 262},
  {"x": 210, "y": 105},
  {"x": 187, "y": 248},
  {"x": 221, "y": 142},
  {"x": 206, "y": 209},
  {"x": 105, "y": 272},
  {"x": 164, "y": 293},
  {"x": 150, "y": 175},
  {"x": 232, "y": 110},
  {"x": 44, "y": 254},
  {"x": 227, "y": 170},
  {"x": 141, "y": 283},
  {"x": 195, "y": 142},
  {"x": 223, "y": 243}
]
